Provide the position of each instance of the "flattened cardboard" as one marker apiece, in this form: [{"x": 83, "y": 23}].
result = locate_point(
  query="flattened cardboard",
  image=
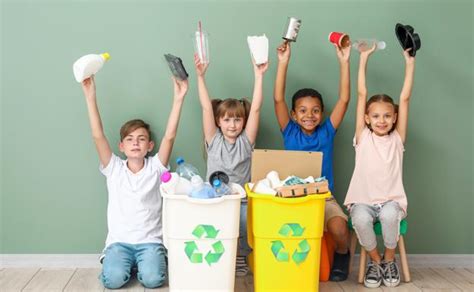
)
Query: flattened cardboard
[{"x": 286, "y": 163}]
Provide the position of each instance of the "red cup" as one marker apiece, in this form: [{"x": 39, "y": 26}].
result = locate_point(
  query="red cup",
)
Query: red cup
[{"x": 339, "y": 38}]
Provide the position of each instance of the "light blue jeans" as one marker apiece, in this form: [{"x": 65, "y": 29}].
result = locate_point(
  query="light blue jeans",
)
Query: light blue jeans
[
  {"x": 120, "y": 258},
  {"x": 364, "y": 216},
  {"x": 243, "y": 246}
]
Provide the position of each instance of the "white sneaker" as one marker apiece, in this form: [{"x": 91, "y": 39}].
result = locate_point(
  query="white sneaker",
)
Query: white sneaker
[
  {"x": 391, "y": 274},
  {"x": 373, "y": 275}
]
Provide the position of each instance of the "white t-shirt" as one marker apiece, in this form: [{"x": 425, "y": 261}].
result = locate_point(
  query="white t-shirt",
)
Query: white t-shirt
[{"x": 134, "y": 207}]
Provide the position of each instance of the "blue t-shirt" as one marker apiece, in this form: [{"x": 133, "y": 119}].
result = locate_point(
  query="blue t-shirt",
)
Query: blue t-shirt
[{"x": 322, "y": 140}]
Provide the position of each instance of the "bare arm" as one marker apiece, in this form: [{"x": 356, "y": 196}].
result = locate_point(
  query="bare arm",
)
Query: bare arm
[
  {"x": 281, "y": 109},
  {"x": 251, "y": 128},
  {"x": 208, "y": 121},
  {"x": 101, "y": 143},
  {"x": 362, "y": 92},
  {"x": 166, "y": 146},
  {"x": 337, "y": 115},
  {"x": 405, "y": 95}
]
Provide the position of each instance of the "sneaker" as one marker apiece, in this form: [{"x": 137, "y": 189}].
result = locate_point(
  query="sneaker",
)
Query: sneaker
[
  {"x": 373, "y": 275},
  {"x": 241, "y": 267},
  {"x": 340, "y": 267},
  {"x": 391, "y": 274}
]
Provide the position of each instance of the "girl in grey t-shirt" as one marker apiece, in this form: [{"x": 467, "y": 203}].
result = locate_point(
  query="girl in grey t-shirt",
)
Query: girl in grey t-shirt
[{"x": 230, "y": 130}]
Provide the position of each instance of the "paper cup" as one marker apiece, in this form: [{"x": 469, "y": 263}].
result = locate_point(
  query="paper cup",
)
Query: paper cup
[
  {"x": 258, "y": 46},
  {"x": 339, "y": 38}
]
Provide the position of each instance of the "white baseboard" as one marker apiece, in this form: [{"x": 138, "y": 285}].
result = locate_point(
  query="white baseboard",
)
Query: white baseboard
[
  {"x": 49, "y": 261},
  {"x": 92, "y": 260},
  {"x": 441, "y": 260}
]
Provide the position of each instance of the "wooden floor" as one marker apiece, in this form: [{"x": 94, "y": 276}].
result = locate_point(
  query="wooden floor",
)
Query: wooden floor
[{"x": 81, "y": 279}]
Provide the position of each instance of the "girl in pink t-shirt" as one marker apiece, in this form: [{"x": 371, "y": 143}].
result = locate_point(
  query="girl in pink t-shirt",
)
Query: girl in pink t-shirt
[{"x": 376, "y": 190}]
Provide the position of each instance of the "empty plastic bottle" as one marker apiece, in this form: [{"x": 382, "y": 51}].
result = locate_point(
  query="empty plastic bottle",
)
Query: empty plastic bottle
[
  {"x": 173, "y": 184},
  {"x": 88, "y": 65},
  {"x": 221, "y": 188},
  {"x": 366, "y": 44},
  {"x": 201, "y": 190},
  {"x": 185, "y": 170}
]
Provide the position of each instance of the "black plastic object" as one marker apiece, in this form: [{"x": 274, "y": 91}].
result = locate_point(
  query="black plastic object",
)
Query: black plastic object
[
  {"x": 176, "y": 67},
  {"x": 220, "y": 175},
  {"x": 408, "y": 38}
]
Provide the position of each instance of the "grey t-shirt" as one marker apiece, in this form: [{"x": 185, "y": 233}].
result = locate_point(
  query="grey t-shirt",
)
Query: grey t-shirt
[{"x": 233, "y": 159}]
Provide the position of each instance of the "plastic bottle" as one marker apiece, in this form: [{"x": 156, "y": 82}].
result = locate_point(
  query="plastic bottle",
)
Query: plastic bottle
[
  {"x": 185, "y": 170},
  {"x": 200, "y": 189},
  {"x": 88, "y": 65},
  {"x": 221, "y": 188},
  {"x": 173, "y": 184},
  {"x": 220, "y": 175},
  {"x": 365, "y": 44}
]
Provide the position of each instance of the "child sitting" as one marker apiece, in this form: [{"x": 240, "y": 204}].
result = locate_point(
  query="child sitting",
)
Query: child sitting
[{"x": 376, "y": 189}]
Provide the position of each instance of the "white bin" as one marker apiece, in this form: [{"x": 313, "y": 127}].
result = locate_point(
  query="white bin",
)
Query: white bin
[{"x": 201, "y": 238}]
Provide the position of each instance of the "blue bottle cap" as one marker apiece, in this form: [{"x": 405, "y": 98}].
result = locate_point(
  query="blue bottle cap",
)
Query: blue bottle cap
[
  {"x": 216, "y": 183},
  {"x": 179, "y": 160}
]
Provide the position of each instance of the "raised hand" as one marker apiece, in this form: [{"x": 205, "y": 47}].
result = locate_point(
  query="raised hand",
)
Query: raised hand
[
  {"x": 343, "y": 54},
  {"x": 409, "y": 60},
  {"x": 367, "y": 53},
  {"x": 180, "y": 88},
  {"x": 284, "y": 52},
  {"x": 88, "y": 87},
  {"x": 200, "y": 68},
  {"x": 259, "y": 69}
]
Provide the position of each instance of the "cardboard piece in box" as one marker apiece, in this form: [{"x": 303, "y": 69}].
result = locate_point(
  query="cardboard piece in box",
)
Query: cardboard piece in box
[
  {"x": 286, "y": 163},
  {"x": 303, "y": 190}
]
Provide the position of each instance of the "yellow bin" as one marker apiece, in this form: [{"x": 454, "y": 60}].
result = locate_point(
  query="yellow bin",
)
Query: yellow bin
[{"x": 285, "y": 234}]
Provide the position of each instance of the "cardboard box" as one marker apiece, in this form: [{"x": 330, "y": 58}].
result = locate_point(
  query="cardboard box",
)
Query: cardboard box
[{"x": 286, "y": 163}]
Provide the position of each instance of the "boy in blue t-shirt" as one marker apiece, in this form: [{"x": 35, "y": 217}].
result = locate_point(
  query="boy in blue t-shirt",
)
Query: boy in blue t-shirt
[{"x": 305, "y": 130}]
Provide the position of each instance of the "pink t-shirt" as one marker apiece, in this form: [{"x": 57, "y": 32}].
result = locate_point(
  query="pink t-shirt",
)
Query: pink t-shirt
[{"x": 377, "y": 176}]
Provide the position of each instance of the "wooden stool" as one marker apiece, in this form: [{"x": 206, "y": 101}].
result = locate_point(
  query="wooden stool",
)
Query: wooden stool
[{"x": 363, "y": 252}]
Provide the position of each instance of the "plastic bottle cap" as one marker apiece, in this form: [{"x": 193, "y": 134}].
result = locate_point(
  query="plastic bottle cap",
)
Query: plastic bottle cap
[
  {"x": 106, "y": 56},
  {"x": 166, "y": 177},
  {"x": 216, "y": 183},
  {"x": 179, "y": 160}
]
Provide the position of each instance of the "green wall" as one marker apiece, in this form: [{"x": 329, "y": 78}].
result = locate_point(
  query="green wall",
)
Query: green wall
[{"x": 53, "y": 198}]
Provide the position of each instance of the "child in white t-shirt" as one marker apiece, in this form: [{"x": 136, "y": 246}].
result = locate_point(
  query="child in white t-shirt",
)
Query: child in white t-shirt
[{"x": 134, "y": 236}]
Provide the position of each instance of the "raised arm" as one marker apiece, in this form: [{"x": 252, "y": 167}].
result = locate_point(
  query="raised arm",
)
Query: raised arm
[
  {"x": 208, "y": 121},
  {"x": 281, "y": 109},
  {"x": 166, "y": 146},
  {"x": 101, "y": 143},
  {"x": 251, "y": 128},
  {"x": 405, "y": 95},
  {"x": 362, "y": 91},
  {"x": 342, "y": 103}
]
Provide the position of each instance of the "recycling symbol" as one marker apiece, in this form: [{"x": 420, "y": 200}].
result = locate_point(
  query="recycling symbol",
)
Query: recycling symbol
[
  {"x": 278, "y": 248},
  {"x": 192, "y": 251}
]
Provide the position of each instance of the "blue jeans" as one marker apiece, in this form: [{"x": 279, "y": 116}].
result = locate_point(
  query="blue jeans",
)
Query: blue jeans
[
  {"x": 120, "y": 258},
  {"x": 243, "y": 246}
]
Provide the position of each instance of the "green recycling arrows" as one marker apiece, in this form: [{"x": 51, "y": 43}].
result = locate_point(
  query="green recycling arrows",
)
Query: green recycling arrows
[
  {"x": 209, "y": 230},
  {"x": 216, "y": 255},
  {"x": 191, "y": 248},
  {"x": 300, "y": 256},
  {"x": 278, "y": 248},
  {"x": 295, "y": 227},
  {"x": 280, "y": 255}
]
